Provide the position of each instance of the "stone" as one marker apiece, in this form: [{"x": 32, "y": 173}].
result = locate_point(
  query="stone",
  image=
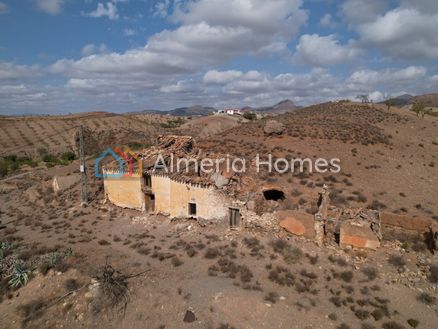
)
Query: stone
[
  {"x": 61, "y": 183},
  {"x": 296, "y": 222},
  {"x": 189, "y": 316},
  {"x": 358, "y": 236},
  {"x": 273, "y": 127},
  {"x": 219, "y": 180}
]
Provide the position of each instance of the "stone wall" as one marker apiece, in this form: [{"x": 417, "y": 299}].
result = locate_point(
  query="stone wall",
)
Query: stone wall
[
  {"x": 124, "y": 191},
  {"x": 173, "y": 198}
]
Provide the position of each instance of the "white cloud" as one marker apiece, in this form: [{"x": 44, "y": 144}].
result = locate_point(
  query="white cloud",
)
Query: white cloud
[
  {"x": 327, "y": 21},
  {"x": 387, "y": 76},
  {"x": 359, "y": 11},
  {"x": 405, "y": 33},
  {"x": 217, "y": 77},
  {"x": 129, "y": 32},
  {"x": 182, "y": 86},
  {"x": 377, "y": 96},
  {"x": 3, "y": 8},
  {"x": 323, "y": 50},
  {"x": 10, "y": 71},
  {"x": 109, "y": 10},
  {"x": 267, "y": 17},
  {"x": 161, "y": 8},
  {"x": 198, "y": 43},
  {"x": 51, "y": 7},
  {"x": 91, "y": 49}
]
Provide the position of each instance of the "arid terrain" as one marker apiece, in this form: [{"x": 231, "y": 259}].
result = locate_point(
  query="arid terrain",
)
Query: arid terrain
[{"x": 101, "y": 266}]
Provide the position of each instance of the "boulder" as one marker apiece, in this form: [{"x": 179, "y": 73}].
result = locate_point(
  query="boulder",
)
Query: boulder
[
  {"x": 219, "y": 180},
  {"x": 273, "y": 127},
  {"x": 297, "y": 222},
  {"x": 358, "y": 236},
  {"x": 61, "y": 183}
]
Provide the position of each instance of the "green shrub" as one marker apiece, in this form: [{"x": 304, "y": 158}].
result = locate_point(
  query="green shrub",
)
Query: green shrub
[
  {"x": 19, "y": 276},
  {"x": 250, "y": 116}
]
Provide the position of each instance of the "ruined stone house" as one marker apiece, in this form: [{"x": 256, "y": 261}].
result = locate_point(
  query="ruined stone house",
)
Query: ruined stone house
[{"x": 176, "y": 193}]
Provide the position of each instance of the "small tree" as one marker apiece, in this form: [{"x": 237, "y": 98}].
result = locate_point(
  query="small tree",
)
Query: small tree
[
  {"x": 249, "y": 116},
  {"x": 363, "y": 98},
  {"x": 419, "y": 109},
  {"x": 389, "y": 103}
]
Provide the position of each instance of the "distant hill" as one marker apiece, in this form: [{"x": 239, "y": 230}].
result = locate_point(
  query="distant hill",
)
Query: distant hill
[
  {"x": 427, "y": 99},
  {"x": 198, "y": 110},
  {"x": 195, "y": 110},
  {"x": 282, "y": 107},
  {"x": 401, "y": 100},
  {"x": 406, "y": 99}
]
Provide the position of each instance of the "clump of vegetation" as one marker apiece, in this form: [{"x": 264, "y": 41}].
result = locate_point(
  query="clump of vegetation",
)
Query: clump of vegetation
[
  {"x": 392, "y": 325},
  {"x": 370, "y": 272},
  {"x": 114, "y": 288},
  {"x": 397, "y": 261},
  {"x": 71, "y": 285},
  {"x": 176, "y": 261},
  {"x": 313, "y": 259},
  {"x": 272, "y": 297},
  {"x": 333, "y": 316},
  {"x": 255, "y": 246},
  {"x": 433, "y": 275},
  {"x": 61, "y": 159},
  {"x": 212, "y": 253},
  {"x": 413, "y": 323},
  {"x": 337, "y": 260},
  {"x": 5, "y": 247},
  {"x": 282, "y": 276},
  {"x": 427, "y": 299},
  {"x": 292, "y": 254},
  {"x": 345, "y": 276},
  {"x": 250, "y": 116},
  {"x": 362, "y": 314},
  {"x": 19, "y": 277},
  {"x": 174, "y": 123},
  {"x": 13, "y": 162}
]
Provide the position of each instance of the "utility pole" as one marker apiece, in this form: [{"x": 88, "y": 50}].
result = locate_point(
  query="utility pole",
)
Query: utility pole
[{"x": 82, "y": 166}]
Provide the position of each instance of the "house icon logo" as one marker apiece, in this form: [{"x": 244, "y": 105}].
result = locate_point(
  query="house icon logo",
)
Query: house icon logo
[{"x": 108, "y": 152}]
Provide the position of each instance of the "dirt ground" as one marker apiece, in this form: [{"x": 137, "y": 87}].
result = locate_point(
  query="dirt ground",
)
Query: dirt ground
[
  {"x": 211, "y": 276},
  {"x": 178, "y": 274}
]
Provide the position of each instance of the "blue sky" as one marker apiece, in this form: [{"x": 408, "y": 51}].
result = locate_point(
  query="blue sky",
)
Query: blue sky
[{"x": 61, "y": 56}]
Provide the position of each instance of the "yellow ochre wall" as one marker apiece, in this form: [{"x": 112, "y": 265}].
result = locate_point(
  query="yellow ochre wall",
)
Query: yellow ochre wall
[
  {"x": 124, "y": 192},
  {"x": 173, "y": 198}
]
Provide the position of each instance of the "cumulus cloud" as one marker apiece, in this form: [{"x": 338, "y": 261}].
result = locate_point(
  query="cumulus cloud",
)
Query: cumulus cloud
[
  {"x": 51, "y": 7},
  {"x": 91, "y": 48},
  {"x": 359, "y": 11},
  {"x": 323, "y": 50},
  {"x": 10, "y": 71},
  {"x": 105, "y": 10},
  {"x": 182, "y": 86},
  {"x": 405, "y": 33},
  {"x": 327, "y": 21},
  {"x": 221, "y": 77},
  {"x": 212, "y": 32},
  {"x": 391, "y": 80}
]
